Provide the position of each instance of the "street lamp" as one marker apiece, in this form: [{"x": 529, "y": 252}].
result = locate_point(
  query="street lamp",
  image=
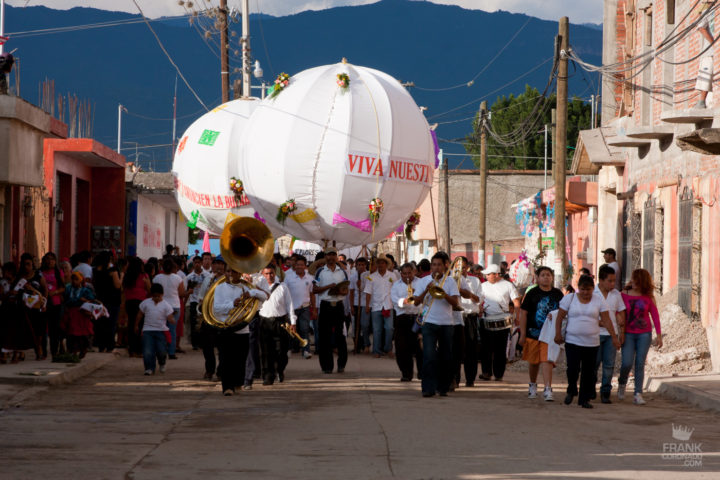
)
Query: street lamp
[
  {"x": 59, "y": 214},
  {"x": 257, "y": 71}
]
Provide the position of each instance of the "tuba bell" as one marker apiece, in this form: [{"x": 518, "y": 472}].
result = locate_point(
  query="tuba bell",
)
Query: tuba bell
[{"x": 247, "y": 246}]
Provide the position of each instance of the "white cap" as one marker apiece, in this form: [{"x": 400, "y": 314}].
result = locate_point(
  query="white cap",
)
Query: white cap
[{"x": 492, "y": 268}]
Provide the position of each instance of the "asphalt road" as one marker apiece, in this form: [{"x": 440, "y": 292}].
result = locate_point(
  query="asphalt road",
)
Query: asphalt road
[{"x": 118, "y": 424}]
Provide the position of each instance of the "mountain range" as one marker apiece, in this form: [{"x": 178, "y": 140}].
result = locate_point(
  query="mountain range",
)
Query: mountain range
[{"x": 433, "y": 46}]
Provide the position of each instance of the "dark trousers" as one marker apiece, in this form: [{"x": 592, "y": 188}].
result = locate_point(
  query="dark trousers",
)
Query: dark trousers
[
  {"x": 233, "y": 354},
  {"x": 437, "y": 358},
  {"x": 56, "y": 334},
  {"x": 132, "y": 307},
  {"x": 252, "y": 364},
  {"x": 581, "y": 362},
  {"x": 407, "y": 346},
  {"x": 209, "y": 342},
  {"x": 105, "y": 329},
  {"x": 274, "y": 345},
  {"x": 195, "y": 334},
  {"x": 330, "y": 325},
  {"x": 458, "y": 351},
  {"x": 39, "y": 322},
  {"x": 471, "y": 348},
  {"x": 493, "y": 353}
]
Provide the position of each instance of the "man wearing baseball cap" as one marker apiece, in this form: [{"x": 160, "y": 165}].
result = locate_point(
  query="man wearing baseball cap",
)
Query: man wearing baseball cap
[
  {"x": 609, "y": 256},
  {"x": 499, "y": 294}
]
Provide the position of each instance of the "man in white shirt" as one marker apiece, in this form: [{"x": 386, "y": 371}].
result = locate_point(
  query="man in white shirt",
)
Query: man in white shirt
[
  {"x": 207, "y": 262},
  {"x": 609, "y": 256},
  {"x": 193, "y": 283},
  {"x": 158, "y": 314},
  {"x": 358, "y": 279},
  {"x": 498, "y": 295},
  {"x": 407, "y": 342},
  {"x": 209, "y": 334},
  {"x": 379, "y": 305},
  {"x": 616, "y": 311},
  {"x": 471, "y": 302},
  {"x": 174, "y": 291},
  {"x": 300, "y": 285},
  {"x": 83, "y": 265},
  {"x": 437, "y": 327},
  {"x": 331, "y": 315},
  {"x": 233, "y": 345},
  {"x": 277, "y": 310}
]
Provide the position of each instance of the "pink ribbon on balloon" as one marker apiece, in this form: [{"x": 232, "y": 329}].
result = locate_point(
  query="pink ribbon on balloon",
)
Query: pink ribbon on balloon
[
  {"x": 258, "y": 217},
  {"x": 363, "y": 225}
]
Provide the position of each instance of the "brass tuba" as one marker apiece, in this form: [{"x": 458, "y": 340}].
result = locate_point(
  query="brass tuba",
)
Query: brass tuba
[{"x": 247, "y": 246}]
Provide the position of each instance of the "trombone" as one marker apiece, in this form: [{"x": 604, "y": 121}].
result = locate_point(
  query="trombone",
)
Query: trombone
[{"x": 436, "y": 290}]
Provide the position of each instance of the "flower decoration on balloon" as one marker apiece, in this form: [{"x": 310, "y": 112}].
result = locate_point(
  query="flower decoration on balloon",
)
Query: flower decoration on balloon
[
  {"x": 236, "y": 186},
  {"x": 375, "y": 209},
  {"x": 285, "y": 210},
  {"x": 343, "y": 81},
  {"x": 411, "y": 225},
  {"x": 281, "y": 82}
]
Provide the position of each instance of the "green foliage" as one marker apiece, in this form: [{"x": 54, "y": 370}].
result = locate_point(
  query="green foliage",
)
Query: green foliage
[{"x": 507, "y": 114}]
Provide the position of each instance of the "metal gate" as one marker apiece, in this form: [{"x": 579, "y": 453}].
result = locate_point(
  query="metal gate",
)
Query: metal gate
[
  {"x": 685, "y": 244},
  {"x": 631, "y": 240},
  {"x": 648, "y": 250}
]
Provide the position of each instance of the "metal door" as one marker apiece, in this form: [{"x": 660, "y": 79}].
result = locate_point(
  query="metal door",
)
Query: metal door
[
  {"x": 648, "y": 249},
  {"x": 685, "y": 243}
]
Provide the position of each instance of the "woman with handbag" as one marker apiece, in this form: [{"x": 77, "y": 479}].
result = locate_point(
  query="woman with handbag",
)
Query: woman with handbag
[{"x": 585, "y": 311}]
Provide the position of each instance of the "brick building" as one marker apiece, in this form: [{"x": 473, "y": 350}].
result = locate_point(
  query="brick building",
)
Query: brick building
[{"x": 656, "y": 154}]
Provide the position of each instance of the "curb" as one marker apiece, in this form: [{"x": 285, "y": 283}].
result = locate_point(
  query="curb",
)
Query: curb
[
  {"x": 682, "y": 392},
  {"x": 67, "y": 374}
]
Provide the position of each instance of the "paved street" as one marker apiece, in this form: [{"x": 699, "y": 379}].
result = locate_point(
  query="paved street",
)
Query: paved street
[{"x": 116, "y": 423}]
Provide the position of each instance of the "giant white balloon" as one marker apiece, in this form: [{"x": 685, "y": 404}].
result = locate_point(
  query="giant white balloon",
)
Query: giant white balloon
[
  {"x": 206, "y": 158},
  {"x": 333, "y": 150}
]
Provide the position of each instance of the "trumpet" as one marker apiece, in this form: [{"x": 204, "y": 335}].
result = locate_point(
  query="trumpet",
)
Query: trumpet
[
  {"x": 437, "y": 291},
  {"x": 411, "y": 294},
  {"x": 303, "y": 343}
]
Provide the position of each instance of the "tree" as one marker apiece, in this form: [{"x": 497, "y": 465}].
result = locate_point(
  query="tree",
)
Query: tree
[{"x": 509, "y": 113}]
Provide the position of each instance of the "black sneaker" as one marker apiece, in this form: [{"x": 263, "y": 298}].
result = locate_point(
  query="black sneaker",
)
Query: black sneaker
[
  {"x": 428, "y": 394},
  {"x": 172, "y": 357},
  {"x": 586, "y": 405},
  {"x": 568, "y": 399},
  {"x": 605, "y": 397}
]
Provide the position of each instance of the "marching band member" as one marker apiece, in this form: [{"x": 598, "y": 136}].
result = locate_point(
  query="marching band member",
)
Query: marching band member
[
  {"x": 499, "y": 295},
  {"x": 358, "y": 278},
  {"x": 407, "y": 343},
  {"x": 331, "y": 317},
  {"x": 209, "y": 334},
  {"x": 380, "y": 307},
  {"x": 233, "y": 345},
  {"x": 274, "y": 340},
  {"x": 437, "y": 328},
  {"x": 300, "y": 285},
  {"x": 471, "y": 302}
]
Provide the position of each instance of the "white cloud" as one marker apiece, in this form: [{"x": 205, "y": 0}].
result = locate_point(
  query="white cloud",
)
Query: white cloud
[{"x": 579, "y": 11}]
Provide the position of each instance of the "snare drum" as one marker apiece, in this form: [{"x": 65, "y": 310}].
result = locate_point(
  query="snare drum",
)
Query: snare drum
[{"x": 496, "y": 323}]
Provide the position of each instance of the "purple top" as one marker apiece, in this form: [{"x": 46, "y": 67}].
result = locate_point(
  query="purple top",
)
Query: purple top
[{"x": 639, "y": 309}]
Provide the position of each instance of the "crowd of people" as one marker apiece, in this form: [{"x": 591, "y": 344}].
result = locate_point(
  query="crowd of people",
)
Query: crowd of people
[{"x": 441, "y": 321}]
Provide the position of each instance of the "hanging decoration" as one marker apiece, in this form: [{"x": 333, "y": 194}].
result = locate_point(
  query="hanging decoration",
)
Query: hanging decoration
[
  {"x": 375, "y": 210},
  {"x": 285, "y": 210},
  {"x": 343, "y": 81},
  {"x": 281, "y": 82},
  {"x": 236, "y": 186},
  {"x": 411, "y": 225}
]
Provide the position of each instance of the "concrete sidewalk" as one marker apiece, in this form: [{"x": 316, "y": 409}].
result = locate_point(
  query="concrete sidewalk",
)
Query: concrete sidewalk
[
  {"x": 45, "y": 372},
  {"x": 701, "y": 391}
]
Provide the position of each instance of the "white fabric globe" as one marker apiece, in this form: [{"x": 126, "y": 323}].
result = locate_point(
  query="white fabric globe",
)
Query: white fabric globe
[
  {"x": 207, "y": 156},
  {"x": 319, "y": 144}
]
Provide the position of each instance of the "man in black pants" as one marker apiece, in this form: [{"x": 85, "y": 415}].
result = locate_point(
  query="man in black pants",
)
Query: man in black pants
[
  {"x": 499, "y": 294},
  {"x": 407, "y": 342},
  {"x": 208, "y": 337},
  {"x": 274, "y": 339},
  {"x": 233, "y": 344},
  {"x": 471, "y": 302},
  {"x": 331, "y": 318}
]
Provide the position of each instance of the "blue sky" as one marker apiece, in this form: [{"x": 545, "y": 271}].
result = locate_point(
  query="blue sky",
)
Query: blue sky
[{"x": 579, "y": 11}]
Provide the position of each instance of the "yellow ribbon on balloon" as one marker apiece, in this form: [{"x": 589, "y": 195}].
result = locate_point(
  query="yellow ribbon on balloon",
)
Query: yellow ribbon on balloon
[{"x": 304, "y": 216}]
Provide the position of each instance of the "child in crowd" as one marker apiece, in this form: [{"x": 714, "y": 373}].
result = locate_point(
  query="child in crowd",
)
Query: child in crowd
[
  {"x": 77, "y": 323},
  {"x": 158, "y": 313}
]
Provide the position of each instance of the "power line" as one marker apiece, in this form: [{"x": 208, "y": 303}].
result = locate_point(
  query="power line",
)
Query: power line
[
  {"x": 87, "y": 26},
  {"x": 487, "y": 65},
  {"x": 187, "y": 84}
]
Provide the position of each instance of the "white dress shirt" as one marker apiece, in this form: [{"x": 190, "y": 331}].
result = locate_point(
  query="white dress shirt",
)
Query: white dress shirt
[
  {"x": 279, "y": 304},
  {"x": 379, "y": 286},
  {"x": 225, "y": 295},
  {"x": 399, "y": 293},
  {"x": 498, "y": 296},
  {"x": 440, "y": 311},
  {"x": 474, "y": 286},
  {"x": 358, "y": 293},
  {"x": 324, "y": 276},
  {"x": 300, "y": 288}
]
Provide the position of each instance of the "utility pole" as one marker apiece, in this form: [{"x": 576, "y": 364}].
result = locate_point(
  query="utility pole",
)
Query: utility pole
[
  {"x": 561, "y": 151},
  {"x": 546, "y": 143},
  {"x": 446, "y": 183},
  {"x": 119, "y": 132},
  {"x": 592, "y": 111},
  {"x": 2, "y": 25},
  {"x": 553, "y": 123},
  {"x": 224, "y": 52},
  {"x": 482, "y": 209},
  {"x": 246, "y": 48}
]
